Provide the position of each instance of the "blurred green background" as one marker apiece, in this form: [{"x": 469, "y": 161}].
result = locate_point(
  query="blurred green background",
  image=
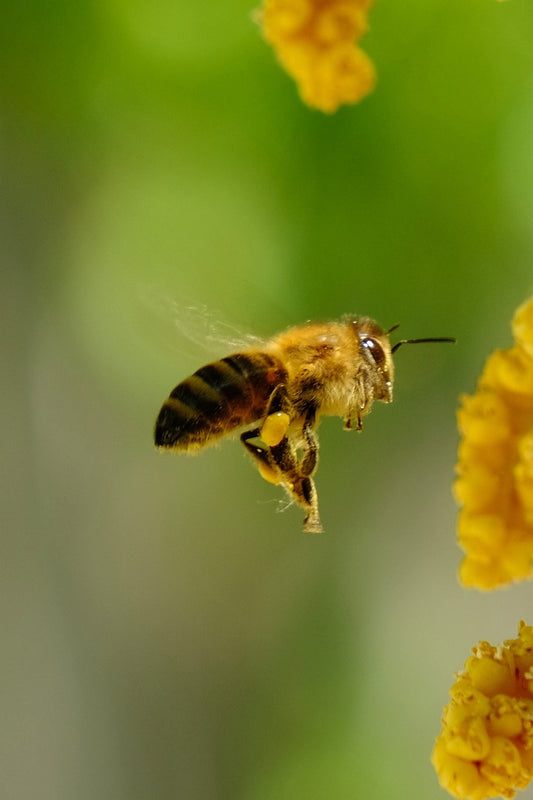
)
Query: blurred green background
[{"x": 165, "y": 633}]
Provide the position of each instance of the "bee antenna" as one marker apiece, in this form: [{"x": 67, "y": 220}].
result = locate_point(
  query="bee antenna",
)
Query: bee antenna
[
  {"x": 394, "y": 328},
  {"x": 420, "y": 341}
]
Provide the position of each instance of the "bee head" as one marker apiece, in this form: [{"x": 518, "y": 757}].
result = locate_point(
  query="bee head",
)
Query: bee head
[
  {"x": 376, "y": 358},
  {"x": 375, "y": 352}
]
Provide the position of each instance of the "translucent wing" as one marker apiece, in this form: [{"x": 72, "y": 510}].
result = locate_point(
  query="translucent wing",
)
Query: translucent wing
[{"x": 191, "y": 329}]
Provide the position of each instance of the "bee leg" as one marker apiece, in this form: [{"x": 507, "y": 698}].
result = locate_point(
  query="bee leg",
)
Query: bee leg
[
  {"x": 309, "y": 459},
  {"x": 299, "y": 486},
  {"x": 356, "y": 410},
  {"x": 353, "y": 421},
  {"x": 312, "y": 522},
  {"x": 279, "y": 401},
  {"x": 279, "y": 413},
  {"x": 279, "y": 465},
  {"x": 265, "y": 463}
]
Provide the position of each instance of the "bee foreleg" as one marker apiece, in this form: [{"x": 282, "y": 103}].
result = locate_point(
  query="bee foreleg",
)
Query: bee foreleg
[
  {"x": 353, "y": 422},
  {"x": 359, "y": 405}
]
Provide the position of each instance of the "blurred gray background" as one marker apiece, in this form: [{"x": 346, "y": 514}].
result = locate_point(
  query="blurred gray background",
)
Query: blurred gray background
[{"x": 166, "y": 633}]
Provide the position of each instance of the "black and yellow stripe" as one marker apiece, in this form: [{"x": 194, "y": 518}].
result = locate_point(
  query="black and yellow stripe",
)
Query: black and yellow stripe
[{"x": 216, "y": 399}]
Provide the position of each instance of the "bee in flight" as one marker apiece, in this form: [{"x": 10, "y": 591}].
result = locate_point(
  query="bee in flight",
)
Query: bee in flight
[{"x": 281, "y": 389}]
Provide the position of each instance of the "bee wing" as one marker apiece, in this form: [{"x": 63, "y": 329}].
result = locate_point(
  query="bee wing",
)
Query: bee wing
[{"x": 192, "y": 330}]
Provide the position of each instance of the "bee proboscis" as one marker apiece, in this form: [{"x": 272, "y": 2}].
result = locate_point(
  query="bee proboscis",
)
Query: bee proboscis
[{"x": 281, "y": 389}]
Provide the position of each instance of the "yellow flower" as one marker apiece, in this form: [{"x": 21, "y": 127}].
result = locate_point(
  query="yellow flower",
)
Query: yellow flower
[
  {"x": 485, "y": 748},
  {"x": 495, "y": 469},
  {"x": 316, "y": 42}
]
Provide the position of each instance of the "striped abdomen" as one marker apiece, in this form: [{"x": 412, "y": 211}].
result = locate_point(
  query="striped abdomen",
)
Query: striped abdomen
[{"x": 218, "y": 398}]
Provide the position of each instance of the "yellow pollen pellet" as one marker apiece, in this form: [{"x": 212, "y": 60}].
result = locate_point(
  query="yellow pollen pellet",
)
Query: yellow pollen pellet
[
  {"x": 269, "y": 474},
  {"x": 274, "y": 428}
]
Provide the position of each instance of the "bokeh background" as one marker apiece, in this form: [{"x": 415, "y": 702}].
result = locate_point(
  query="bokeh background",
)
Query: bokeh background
[{"x": 166, "y": 633}]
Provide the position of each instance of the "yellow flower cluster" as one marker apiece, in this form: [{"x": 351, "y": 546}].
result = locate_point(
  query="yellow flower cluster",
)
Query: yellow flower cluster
[
  {"x": 495, "y": 470},
  {"x": 315, "y": 41},
  {"x": 485, "y": 748}
]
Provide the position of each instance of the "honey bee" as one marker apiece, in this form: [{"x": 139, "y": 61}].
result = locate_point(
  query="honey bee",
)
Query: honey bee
[{"x": 282, "y": 389}]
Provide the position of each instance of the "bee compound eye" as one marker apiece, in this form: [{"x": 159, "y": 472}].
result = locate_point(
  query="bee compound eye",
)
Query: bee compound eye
[{"x": 374, "y": 349}]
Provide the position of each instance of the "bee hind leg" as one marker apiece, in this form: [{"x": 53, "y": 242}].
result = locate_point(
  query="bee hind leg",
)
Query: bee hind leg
[
  {"x": 279, "y": 413},
  {"x": 279, "y": 465},
  {"x": 298, "y": 485},
  {"x": 312, "y": 522},
  {"x": 265, "y": 463}
]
